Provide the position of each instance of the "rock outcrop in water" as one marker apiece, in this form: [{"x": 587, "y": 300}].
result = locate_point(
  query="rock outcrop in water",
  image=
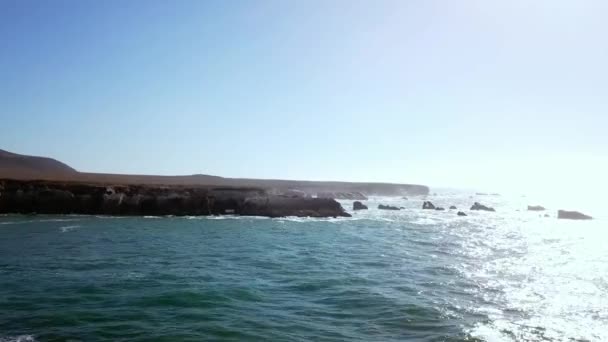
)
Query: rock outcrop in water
[
  {"x": 428, "y": 205},
  {"x": 572, "y": 215},
  {"x": 460, "y": 213},
  {"x": 387, "y": 207},
  {"x": 359, "y": 206},
  {"x": 45, "y": 197},
  {"x": 453, "y": 207},
  {"x": 479, "y": 206},
  {"x": 536, "y": 208},
  {"x": 277, "y": 206}
]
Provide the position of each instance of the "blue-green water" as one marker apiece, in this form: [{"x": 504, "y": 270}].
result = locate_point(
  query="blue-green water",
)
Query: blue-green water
[{"x": 379, "y": 276}]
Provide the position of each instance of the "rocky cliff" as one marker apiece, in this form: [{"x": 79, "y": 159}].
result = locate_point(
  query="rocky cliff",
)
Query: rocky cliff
[{"x": 48, "y": 197}]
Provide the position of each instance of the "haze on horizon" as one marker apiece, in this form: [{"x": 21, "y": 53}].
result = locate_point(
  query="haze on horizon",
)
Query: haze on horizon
[{"x": 500, "y": 95}]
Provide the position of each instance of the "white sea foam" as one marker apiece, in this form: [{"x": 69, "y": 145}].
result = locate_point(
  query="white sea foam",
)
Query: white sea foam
[
  {"x": 40, "y": 220},
  {"x": 66, "y": 229},
  {"x": 19, "y": 338},
  {"x": 108, "y": 217}
]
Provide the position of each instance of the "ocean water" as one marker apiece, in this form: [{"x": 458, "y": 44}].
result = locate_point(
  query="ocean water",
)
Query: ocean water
[{"x": 408, "y": 275}]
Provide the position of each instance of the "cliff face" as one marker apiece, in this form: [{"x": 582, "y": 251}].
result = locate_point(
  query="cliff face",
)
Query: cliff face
[{"x": 44, "y": 197}]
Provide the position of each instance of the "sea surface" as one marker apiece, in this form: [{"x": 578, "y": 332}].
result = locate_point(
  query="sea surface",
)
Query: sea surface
[{"x": 409, "y": 275}]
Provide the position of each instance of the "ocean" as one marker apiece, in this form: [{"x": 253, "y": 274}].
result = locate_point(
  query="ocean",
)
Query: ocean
[{"x": 408, "y": 275}]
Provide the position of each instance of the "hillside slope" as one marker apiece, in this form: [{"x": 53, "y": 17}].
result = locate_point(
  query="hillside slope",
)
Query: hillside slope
[
  {"x": 19, "y": 166},
  {"x": 16, "y": 166}
]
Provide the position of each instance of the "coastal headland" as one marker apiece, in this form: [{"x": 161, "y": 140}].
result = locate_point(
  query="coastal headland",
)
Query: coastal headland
[{"x": 43, "y": 185}]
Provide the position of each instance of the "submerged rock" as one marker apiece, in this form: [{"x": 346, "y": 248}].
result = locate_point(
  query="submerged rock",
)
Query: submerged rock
[
  {"x": 479, "y": 206},
  {"x": 460, "y": 213},
  {"x": 387, "y": 207},
  {"x": 572, "y": 215},
  {"x": 536, "y": 208},
  {"x": 439, "y": 208},
  {"x": 428, "y": 205},
  {"x": 359, "y": 206},
  {"x": 452, "y": 207}
]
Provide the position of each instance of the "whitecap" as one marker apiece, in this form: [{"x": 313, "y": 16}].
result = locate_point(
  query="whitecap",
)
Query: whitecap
[
  {"x": 109, "y": 217},
  {"x": 66, "y": 229},
  {"x": 41, "y": 220},
  {"x": 12, "y": 222},
  {"x": 19, "y": 338}
]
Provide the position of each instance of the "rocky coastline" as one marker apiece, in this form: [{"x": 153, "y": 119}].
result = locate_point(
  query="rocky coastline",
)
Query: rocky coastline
[{"x": 54, "y": 197}]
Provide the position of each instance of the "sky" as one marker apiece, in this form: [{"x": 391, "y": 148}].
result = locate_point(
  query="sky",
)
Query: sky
[{"x": 479, "y": 94}]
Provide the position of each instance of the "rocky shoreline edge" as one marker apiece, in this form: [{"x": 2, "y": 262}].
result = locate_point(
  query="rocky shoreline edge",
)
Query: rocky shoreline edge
[{"x": 51, "y": 197}]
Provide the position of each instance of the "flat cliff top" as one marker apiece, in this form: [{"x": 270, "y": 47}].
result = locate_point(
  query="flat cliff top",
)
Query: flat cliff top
[{"x": 23, "y": 167}]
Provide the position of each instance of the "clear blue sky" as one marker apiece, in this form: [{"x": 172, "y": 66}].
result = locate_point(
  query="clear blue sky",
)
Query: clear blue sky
[{"x": 461, "y": 93}]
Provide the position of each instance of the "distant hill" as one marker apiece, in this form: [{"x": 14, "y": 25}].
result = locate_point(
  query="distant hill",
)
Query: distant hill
[{"x": 17, "y": 166}]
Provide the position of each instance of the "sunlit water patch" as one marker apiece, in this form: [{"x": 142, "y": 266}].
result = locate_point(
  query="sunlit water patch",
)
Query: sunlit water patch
[{"x": 412, "y": 274}]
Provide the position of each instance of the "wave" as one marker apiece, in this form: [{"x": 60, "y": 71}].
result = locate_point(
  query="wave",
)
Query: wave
[
  {"x": 66, "y": 229},
  {"x": 19, "y": 338},
  {"x": 35, "y": 221}
]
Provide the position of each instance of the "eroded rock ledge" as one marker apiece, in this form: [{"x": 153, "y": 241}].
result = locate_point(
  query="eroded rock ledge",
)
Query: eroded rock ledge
[{"x": 46, "y": 197}]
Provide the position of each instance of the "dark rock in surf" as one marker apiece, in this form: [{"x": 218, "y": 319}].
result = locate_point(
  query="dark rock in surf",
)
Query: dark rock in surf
[
  {"x": 428, "y": 205},
  {"x": 536, "y": 208},
  {"x": 452, "y": 207},
  {"x": 387, "y": 207},
  {"x": 460, "y": 213},
  {"x": 572, "y": 215},
  {"x": 359, "y": 206},
  {"x": 439, "y": 208},
  {"x": 274, "y": 206},
  {"x": 479, "y": 206}
]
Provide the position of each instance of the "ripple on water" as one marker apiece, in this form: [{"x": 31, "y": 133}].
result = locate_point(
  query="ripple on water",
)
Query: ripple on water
[{"x": 390, "y": 276}]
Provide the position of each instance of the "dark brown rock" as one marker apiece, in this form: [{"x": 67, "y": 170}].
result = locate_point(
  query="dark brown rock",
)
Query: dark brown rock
[
  {"x": 274, "y": 206},
  {"x": 359, "y": 206},
  {"x": 428, "y": 205},
  {"x": 479, "y": 206},
  {"x": 387, "y": 207}
]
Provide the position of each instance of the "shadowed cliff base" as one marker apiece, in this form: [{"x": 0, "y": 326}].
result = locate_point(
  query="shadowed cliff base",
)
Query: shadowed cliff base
[{"x": 52, "y": 197}]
